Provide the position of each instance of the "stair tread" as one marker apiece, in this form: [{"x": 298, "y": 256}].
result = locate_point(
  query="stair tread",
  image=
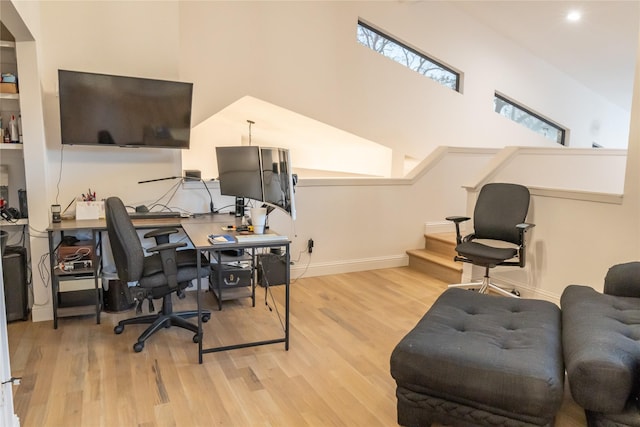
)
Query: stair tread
[
  {"x": 448, "y": 237},
  {"x": 436, "y": 258}
]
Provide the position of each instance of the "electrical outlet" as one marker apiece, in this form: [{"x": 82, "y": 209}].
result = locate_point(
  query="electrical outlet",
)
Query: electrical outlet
[{"x": 310, "y": 246}]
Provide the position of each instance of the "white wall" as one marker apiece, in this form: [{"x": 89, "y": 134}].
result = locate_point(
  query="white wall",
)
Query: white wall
[
  {"x": 303, "y": 56},
  {"x": 298, "y": 55},
  {"x": 578, "y": 169}
]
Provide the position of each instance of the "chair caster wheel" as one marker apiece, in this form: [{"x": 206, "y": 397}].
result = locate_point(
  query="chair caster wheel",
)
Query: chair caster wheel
[
  {"x": 196, "y": 338},
  {"x": 205, "y": 318},
  {"x": 137, "y": 347},
  {"x": 118, "y": 329}
]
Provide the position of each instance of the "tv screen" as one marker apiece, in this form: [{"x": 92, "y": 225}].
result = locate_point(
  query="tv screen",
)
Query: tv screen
[
  {"x": 239, "y": 171},
  {"x": 109, "y": 110},
  {"x": 277, "y": 179}
]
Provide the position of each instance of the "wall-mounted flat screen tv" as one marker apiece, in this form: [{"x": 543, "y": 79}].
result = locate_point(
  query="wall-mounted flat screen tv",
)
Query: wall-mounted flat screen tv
[{"x": 108, "y": 110}]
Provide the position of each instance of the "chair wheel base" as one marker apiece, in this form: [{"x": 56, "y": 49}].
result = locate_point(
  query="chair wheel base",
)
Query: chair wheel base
[
  {"x": 486, "y": 287},
  {"x": 137, "y": 347}
]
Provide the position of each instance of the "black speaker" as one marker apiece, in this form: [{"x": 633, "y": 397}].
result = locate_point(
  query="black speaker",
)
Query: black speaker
[
  {"x": 14, "y": 268},
  {"x": 22, "y": 203},
  {"x": 239, "y": 207}
]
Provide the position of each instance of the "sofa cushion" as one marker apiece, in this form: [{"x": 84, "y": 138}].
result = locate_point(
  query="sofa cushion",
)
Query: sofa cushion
[{"x": 601, "y": 342}]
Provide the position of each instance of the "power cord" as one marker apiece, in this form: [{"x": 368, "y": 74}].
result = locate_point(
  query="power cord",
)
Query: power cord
[{"x": 59, "y": 173}]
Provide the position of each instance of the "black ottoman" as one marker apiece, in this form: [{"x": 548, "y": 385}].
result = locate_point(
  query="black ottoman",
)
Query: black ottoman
[{"x": 481, "y": 360}]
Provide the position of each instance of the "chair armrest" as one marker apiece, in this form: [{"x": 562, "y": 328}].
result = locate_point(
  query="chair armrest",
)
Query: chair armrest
[
  {"x": 161, "y": 234},
  {"x": 166, "y": 246},
  {"x": 457, "y": 220},
  {"x": 525, "y": 226},
  {"x": 169, "y": 263},
  {"x": 623, "y": 280}
]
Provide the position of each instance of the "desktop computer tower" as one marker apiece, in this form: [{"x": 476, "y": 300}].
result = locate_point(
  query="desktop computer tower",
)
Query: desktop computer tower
[{"x": 14, "y": 268}]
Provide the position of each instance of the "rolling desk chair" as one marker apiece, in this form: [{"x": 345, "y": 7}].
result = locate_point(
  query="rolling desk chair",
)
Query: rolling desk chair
[
  {"x": 160, "y": 275},
  {"x": 498, "y": 220}
]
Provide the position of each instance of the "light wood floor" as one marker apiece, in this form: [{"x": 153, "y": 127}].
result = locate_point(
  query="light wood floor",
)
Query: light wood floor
[{"x": 336, "y": 373}]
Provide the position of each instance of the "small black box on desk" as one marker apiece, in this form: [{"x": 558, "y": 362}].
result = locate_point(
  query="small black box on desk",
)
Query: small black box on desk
[{"x": 232, "y": 276}]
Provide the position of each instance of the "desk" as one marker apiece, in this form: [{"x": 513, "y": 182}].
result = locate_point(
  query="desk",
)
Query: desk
[
  {"x": 197, "y": 230},
  {"x": 198, "y": 233},
  {"x": 76, "y": 293}
]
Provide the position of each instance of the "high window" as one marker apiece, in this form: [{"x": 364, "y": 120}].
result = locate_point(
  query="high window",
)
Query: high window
[
  {"x": 409, "y": 57},
  {"x": 519, "y": 114}
]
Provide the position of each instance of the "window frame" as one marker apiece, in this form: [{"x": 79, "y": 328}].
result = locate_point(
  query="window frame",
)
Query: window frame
[
  {"x": 563, "y": 131},
  {"x": 448, "y": 69}
]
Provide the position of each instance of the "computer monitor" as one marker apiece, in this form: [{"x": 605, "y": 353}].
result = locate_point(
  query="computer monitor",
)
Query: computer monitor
[
  {"x": 260, "y": 173},
  {"x": 239, "y": 171},
  {"x": 277, "y": 179}
]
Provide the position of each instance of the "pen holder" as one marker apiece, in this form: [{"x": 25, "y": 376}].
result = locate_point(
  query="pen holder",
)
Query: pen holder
[{"x": 90, "y": 210}]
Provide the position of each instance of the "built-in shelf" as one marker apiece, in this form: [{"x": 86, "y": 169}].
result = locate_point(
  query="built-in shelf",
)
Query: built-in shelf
[
  {"x": 21, "y": 221},
  {"x": 10, "y": 146},
  {"x": 15, "y": 96},
  {"x": 5, "y": 43}
]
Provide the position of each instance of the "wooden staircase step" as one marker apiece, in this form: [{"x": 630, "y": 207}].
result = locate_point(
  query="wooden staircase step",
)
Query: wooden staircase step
[
  {"x": 441, "y": 267},
  {"x": 441, "y": 243}
]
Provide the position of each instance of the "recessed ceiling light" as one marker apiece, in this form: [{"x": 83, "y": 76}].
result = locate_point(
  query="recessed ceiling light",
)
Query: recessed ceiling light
[{"x": 574, "y": 16}]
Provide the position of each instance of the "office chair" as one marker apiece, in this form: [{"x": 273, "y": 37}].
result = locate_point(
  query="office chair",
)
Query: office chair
[
  {"x": 165, "y": 272},
  {"x": 498, "y": 220}
]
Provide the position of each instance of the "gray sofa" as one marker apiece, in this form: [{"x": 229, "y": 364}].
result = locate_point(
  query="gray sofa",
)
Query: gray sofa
[
  {"x": 479, "y": 360},
  {"x": 601, "y": 346}
]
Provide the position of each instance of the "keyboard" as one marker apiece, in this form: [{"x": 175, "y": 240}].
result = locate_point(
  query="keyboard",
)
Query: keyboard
[
  {"x": 154, "y": 215},
  {"x": 257, "y": 238}
]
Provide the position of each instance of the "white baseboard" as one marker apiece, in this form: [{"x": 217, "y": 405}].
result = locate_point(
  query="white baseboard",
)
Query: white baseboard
[
  {"x": 347, "y": 266},
  {"x": 526, "y": 290},
  {"x": 41, "y": 313}
]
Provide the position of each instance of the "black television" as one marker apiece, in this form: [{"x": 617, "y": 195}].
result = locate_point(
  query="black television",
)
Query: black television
[{"x": 109, "y": 110}]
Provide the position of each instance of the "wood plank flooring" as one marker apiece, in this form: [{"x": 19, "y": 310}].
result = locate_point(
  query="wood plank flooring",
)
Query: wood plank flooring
[{"x": 336, "y": 373}]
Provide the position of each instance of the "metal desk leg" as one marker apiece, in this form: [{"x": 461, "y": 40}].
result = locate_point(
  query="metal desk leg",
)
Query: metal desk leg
[
  {"x": 96, "y": 269},
  {"x": 198, "y": 288},
  {"x": 287, "y": 277},
  {"x": 54, "y": 281}
]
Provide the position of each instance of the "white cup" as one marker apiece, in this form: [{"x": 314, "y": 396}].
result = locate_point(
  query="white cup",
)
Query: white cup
[{"x": 258, "y": 219}]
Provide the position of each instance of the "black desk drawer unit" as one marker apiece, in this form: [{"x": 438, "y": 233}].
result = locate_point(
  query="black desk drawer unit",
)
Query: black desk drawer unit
[{"x": 231, "y": 277}]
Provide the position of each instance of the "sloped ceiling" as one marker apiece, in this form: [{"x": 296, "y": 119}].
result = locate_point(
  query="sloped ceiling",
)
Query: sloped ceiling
[{"x": 598, "y": 50}]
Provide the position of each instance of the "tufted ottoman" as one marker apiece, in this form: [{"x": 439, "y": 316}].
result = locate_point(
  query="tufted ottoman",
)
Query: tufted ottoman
[{"x": 481, "y": 360}]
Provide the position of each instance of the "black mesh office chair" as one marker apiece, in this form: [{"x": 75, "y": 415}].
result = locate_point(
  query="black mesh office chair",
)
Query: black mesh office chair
[
  {"x": 165, "y": 272},
  {"x": 498, "y": 220}
]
